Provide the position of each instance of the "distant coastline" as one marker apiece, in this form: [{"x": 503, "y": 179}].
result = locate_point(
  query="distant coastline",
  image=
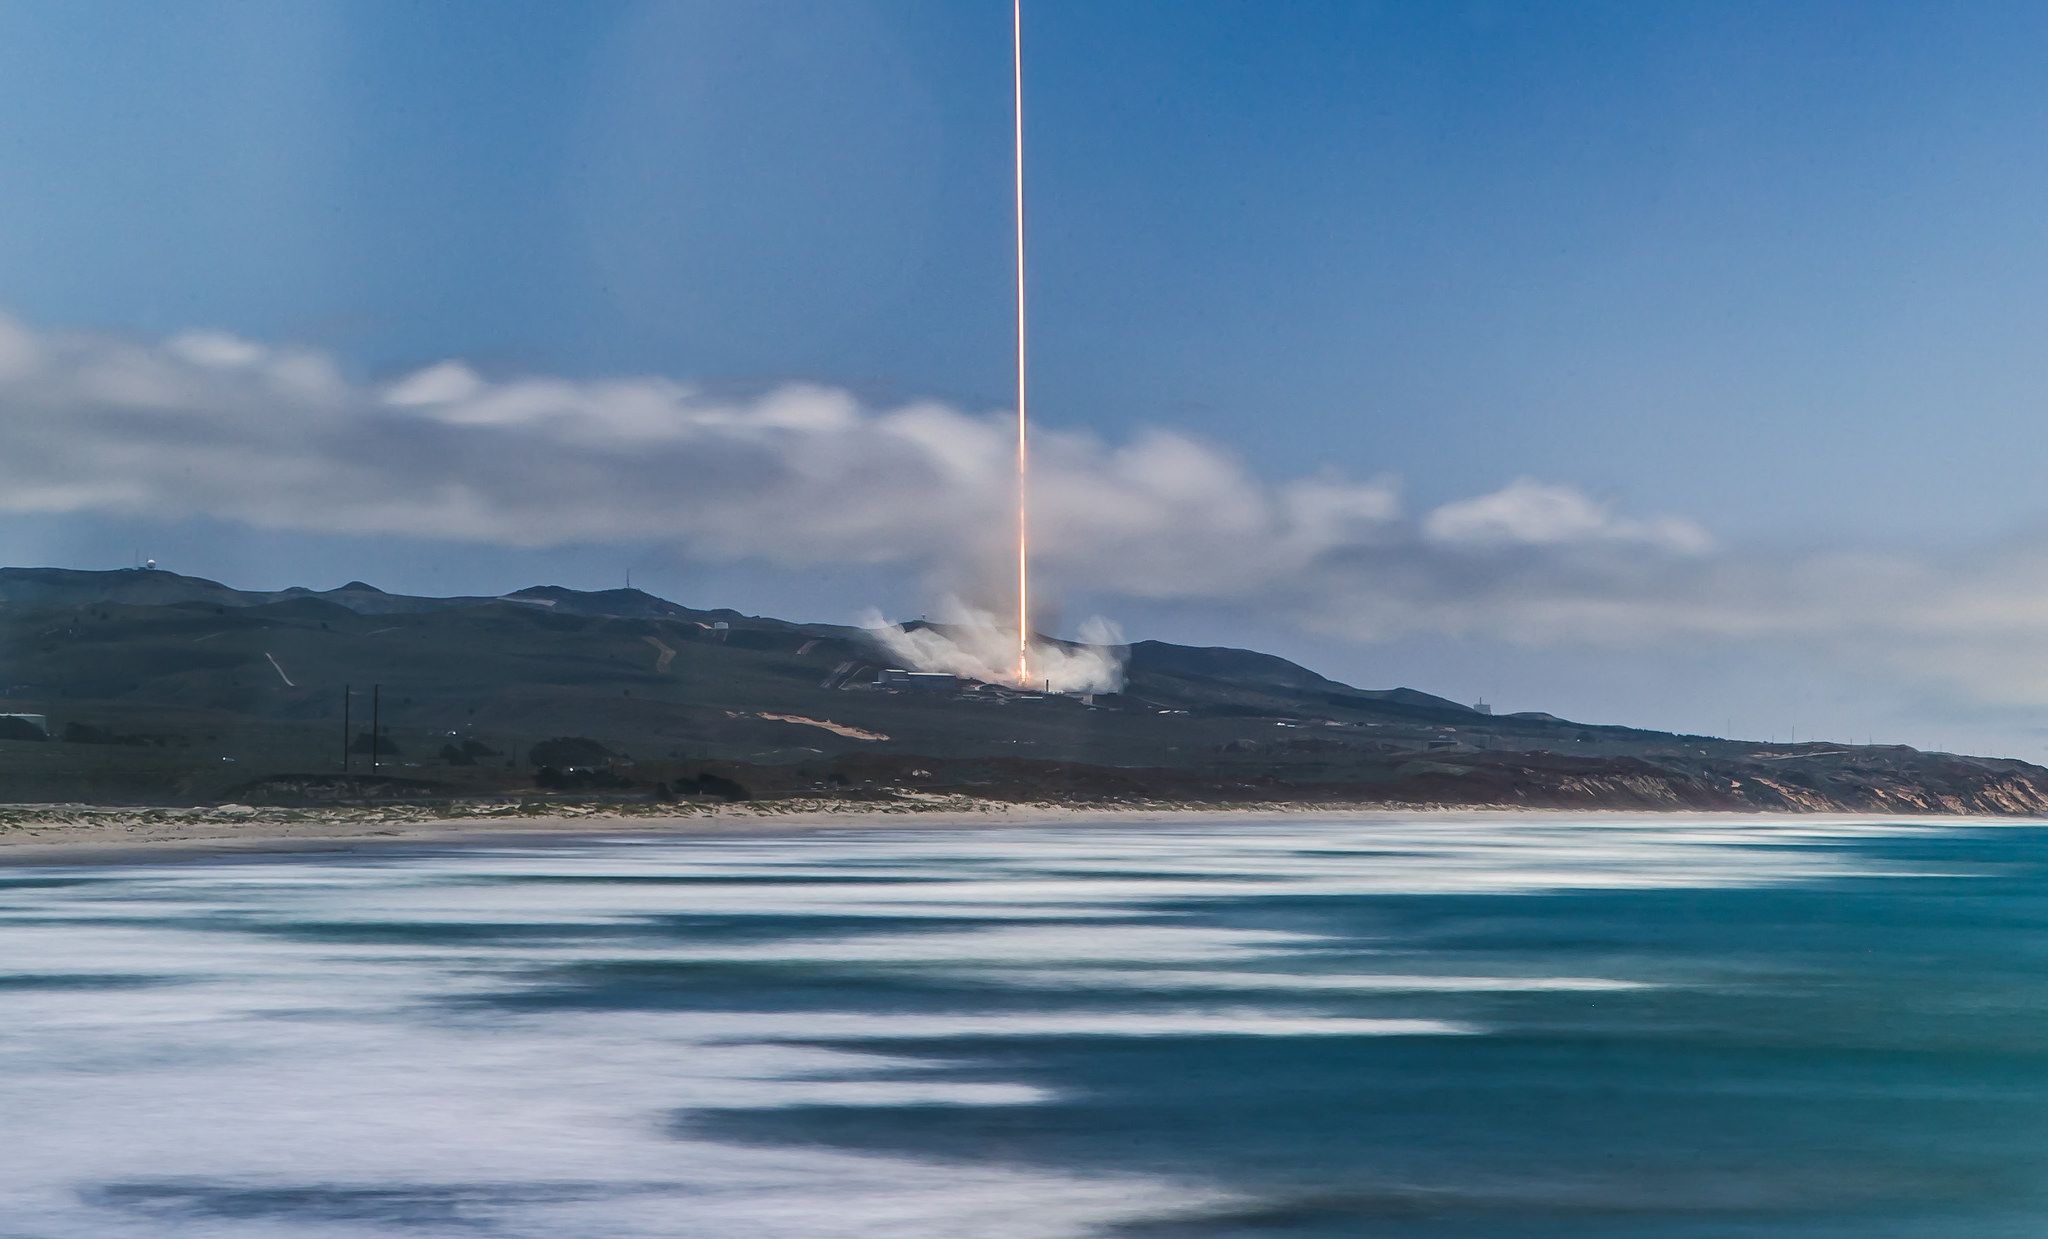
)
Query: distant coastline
[{"x": 142, "y": 687}]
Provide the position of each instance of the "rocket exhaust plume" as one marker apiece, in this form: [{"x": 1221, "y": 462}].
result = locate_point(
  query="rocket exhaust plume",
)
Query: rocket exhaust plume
[
  {"x": 977, "y": 645},
  {"x": 1023, "y": 458}
]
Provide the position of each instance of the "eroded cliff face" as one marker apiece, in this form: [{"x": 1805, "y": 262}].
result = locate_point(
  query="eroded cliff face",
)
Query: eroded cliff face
[
  {"x": 1891, "y": 781},
  {"x": 1848, "y": 781}
]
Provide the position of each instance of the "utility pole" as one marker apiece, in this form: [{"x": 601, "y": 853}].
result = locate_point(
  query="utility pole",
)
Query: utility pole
[
  {"x": 376, "y": 721},
  {"x": 345, "y": 737}
]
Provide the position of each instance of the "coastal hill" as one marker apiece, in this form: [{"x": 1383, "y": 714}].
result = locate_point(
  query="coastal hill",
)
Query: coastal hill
[{"x": 161, "y": 688}]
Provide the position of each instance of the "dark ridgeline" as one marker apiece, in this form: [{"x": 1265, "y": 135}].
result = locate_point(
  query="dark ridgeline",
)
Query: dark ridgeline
[{"x": 158, "y": 687}]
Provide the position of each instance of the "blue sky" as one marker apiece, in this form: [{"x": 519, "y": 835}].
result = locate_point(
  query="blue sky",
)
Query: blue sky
[{"x": 1774, "y": 269}]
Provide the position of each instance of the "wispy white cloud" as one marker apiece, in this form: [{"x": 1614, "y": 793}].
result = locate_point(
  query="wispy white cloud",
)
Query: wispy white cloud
[
  {"x": 1527, "y": 512},
  {"x": 278, "y": 437}
]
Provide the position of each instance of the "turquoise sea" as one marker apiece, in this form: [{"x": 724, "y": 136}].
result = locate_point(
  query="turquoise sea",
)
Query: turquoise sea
[{"x": 1404, "y": 1027}]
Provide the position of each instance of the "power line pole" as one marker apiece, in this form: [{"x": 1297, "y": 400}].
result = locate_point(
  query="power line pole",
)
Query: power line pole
[
  {"x": 346, "y": 739},
  {"x": 376, "y": 721}
]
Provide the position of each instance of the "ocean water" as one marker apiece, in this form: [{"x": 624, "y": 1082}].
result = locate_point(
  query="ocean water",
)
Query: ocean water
[{"x": 1440, "y": 1026}]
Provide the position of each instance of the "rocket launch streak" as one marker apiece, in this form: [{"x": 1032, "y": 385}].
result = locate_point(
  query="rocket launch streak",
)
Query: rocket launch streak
[
  {"x": 1023, "y": 459},
  {"x": 977, "y": 647}
]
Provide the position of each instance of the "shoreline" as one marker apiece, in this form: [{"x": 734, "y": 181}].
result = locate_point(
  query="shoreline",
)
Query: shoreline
[
  {"x": 87, "y": 834},
  {"x": 101, "y": 835}
]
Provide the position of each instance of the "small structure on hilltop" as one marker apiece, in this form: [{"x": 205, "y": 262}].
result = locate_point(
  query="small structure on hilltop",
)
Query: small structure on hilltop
[{"x": 918, "y": 681}]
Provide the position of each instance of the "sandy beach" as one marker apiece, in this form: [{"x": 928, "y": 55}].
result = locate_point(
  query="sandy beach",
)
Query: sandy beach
[
  {"x": 94, "y": 834},
  {"x": 98, "y": 834},
  {"x": 66, "y": 833}
]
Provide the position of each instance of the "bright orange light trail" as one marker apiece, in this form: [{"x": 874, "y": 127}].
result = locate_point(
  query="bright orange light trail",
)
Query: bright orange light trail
[{"x": 1023, "y": 460}]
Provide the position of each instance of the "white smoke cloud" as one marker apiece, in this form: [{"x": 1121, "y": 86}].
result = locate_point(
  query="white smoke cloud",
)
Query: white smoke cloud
[
  {"x": 276, "y": 437},
  {"x": 975, "y": 644}
]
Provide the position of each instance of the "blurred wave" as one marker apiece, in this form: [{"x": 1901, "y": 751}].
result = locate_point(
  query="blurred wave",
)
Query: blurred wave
[{"x": 1439, "y": 1026}]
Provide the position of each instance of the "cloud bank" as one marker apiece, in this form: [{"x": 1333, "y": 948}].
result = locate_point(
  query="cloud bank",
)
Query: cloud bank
[{"x": 210, "y": 425}]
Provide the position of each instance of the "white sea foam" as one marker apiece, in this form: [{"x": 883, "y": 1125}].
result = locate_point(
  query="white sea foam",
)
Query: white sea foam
[
  {"x": 1185, "y": 979},
  {"x": 455, "y": 1023}
]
